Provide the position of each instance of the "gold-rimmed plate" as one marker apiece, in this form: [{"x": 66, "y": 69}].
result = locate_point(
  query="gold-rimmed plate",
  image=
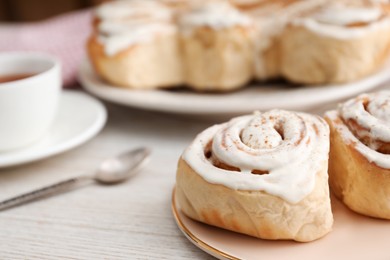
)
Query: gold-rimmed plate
[{"x": 353, "y": 237}]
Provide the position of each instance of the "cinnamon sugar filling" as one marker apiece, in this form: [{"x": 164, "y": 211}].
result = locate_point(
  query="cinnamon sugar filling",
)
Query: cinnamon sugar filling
[{"x": 221, "y": 165}]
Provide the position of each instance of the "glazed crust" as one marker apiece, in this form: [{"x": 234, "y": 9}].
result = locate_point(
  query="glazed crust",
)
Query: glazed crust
[
  {"x": 361, "y": 185},
  {"x": 255, "y": 213}
]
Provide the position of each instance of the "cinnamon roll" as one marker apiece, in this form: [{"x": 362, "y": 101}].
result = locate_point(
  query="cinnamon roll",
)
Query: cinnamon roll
[
  {"x": 359, "y": 166},
  {"x": 339, "y": 41},
  {"x": 217, "y": 45},
  {"x": 264, "y": 175},
  {"x": 135, "y": 45}
]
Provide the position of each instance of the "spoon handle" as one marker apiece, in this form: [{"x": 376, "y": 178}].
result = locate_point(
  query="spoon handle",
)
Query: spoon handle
[{"x": 42, "y": 192}]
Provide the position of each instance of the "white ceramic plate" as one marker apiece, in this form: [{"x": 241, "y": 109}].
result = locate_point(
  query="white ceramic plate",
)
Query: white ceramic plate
[
  {"x": 261, "y": 97},
  {"x": 353, "y": 237},
  {"x": 80, "y": 117}
]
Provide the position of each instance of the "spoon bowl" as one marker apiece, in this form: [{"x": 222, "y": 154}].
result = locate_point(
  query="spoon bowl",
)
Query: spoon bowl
[{"x": 122, "y": 167}]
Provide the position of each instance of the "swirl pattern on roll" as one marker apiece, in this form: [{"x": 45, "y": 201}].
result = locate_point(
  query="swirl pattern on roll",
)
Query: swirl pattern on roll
[
  {"x": 366, "y": 124},
  {"x": 278, "y": 152}
]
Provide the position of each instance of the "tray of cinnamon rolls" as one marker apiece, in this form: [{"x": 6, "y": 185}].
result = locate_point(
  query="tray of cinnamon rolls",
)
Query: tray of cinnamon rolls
[
  {"x": 251, "y": 188},
  {"x": 189, "y": 56}
]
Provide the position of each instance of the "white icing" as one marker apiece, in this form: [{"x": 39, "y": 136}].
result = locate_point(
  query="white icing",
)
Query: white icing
[
  {"x": 261, "y": 134},
  {"x": 124, "y": 9},
  {"x": 109, "y": 27},
  {"x": 380, "y": 107},
  {"x": 342, "y": 33},
  {"x": 378, "y": 128},
  {"x": 217, "y": 15},
  {"x": 119, "y": 18},
  {"x": 143, "y": 34},
  {"x": 126, "y": 23},
  {"x": 333, "y": 21},
  {"x": 376, "y": 120},
  {"x": 292, "y": 164},
  {"x": 338, "y": 14}
]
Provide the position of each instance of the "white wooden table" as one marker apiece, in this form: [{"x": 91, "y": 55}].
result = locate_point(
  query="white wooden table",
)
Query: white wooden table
[{"x": 127, "y": 221}]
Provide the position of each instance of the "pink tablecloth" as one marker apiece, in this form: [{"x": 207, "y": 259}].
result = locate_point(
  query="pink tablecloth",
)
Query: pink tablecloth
[{"x": 63, "y": 36}]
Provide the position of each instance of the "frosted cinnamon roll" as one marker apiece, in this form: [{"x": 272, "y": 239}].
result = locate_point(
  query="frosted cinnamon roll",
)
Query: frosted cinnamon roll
[
  {"x": 216, "y": 41},
  {"x": 263, "y": 175},
  {"x": 359, "y": 166},
  {"x": 340, "y": 41},
  {"x": 135, "y": 44}
]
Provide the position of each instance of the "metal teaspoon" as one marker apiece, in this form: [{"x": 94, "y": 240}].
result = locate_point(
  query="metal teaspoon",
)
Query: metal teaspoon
[{"x": 111, "y": 171}]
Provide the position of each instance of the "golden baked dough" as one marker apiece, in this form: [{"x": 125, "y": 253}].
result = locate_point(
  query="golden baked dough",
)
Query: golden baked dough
[
  {"x": 359, "y": 175},
  {"x": 287, "y": 199},
  {"x": 256, "y": 213}
]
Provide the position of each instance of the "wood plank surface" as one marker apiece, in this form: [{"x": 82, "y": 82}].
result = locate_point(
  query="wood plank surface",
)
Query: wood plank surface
[{"x": 132, "y": 220}]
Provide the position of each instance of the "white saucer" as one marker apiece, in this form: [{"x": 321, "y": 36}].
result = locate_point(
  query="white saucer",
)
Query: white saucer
[
  {"x": 80, "y": 117},
  {"x": 261, "y": 97}
]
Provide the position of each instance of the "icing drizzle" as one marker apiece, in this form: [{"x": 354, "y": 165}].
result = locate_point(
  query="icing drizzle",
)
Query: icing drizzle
[
  {"x": 217, "y": 15},
  {"x": 289, "y": 147},
  {"x": 128, "y": 22},
  {"x": 344, "y": 20},
  {"x": 124, "y": 23}
]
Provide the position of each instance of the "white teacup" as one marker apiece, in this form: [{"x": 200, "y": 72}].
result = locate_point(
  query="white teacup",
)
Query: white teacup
[{"x": 30, "y": 85}]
